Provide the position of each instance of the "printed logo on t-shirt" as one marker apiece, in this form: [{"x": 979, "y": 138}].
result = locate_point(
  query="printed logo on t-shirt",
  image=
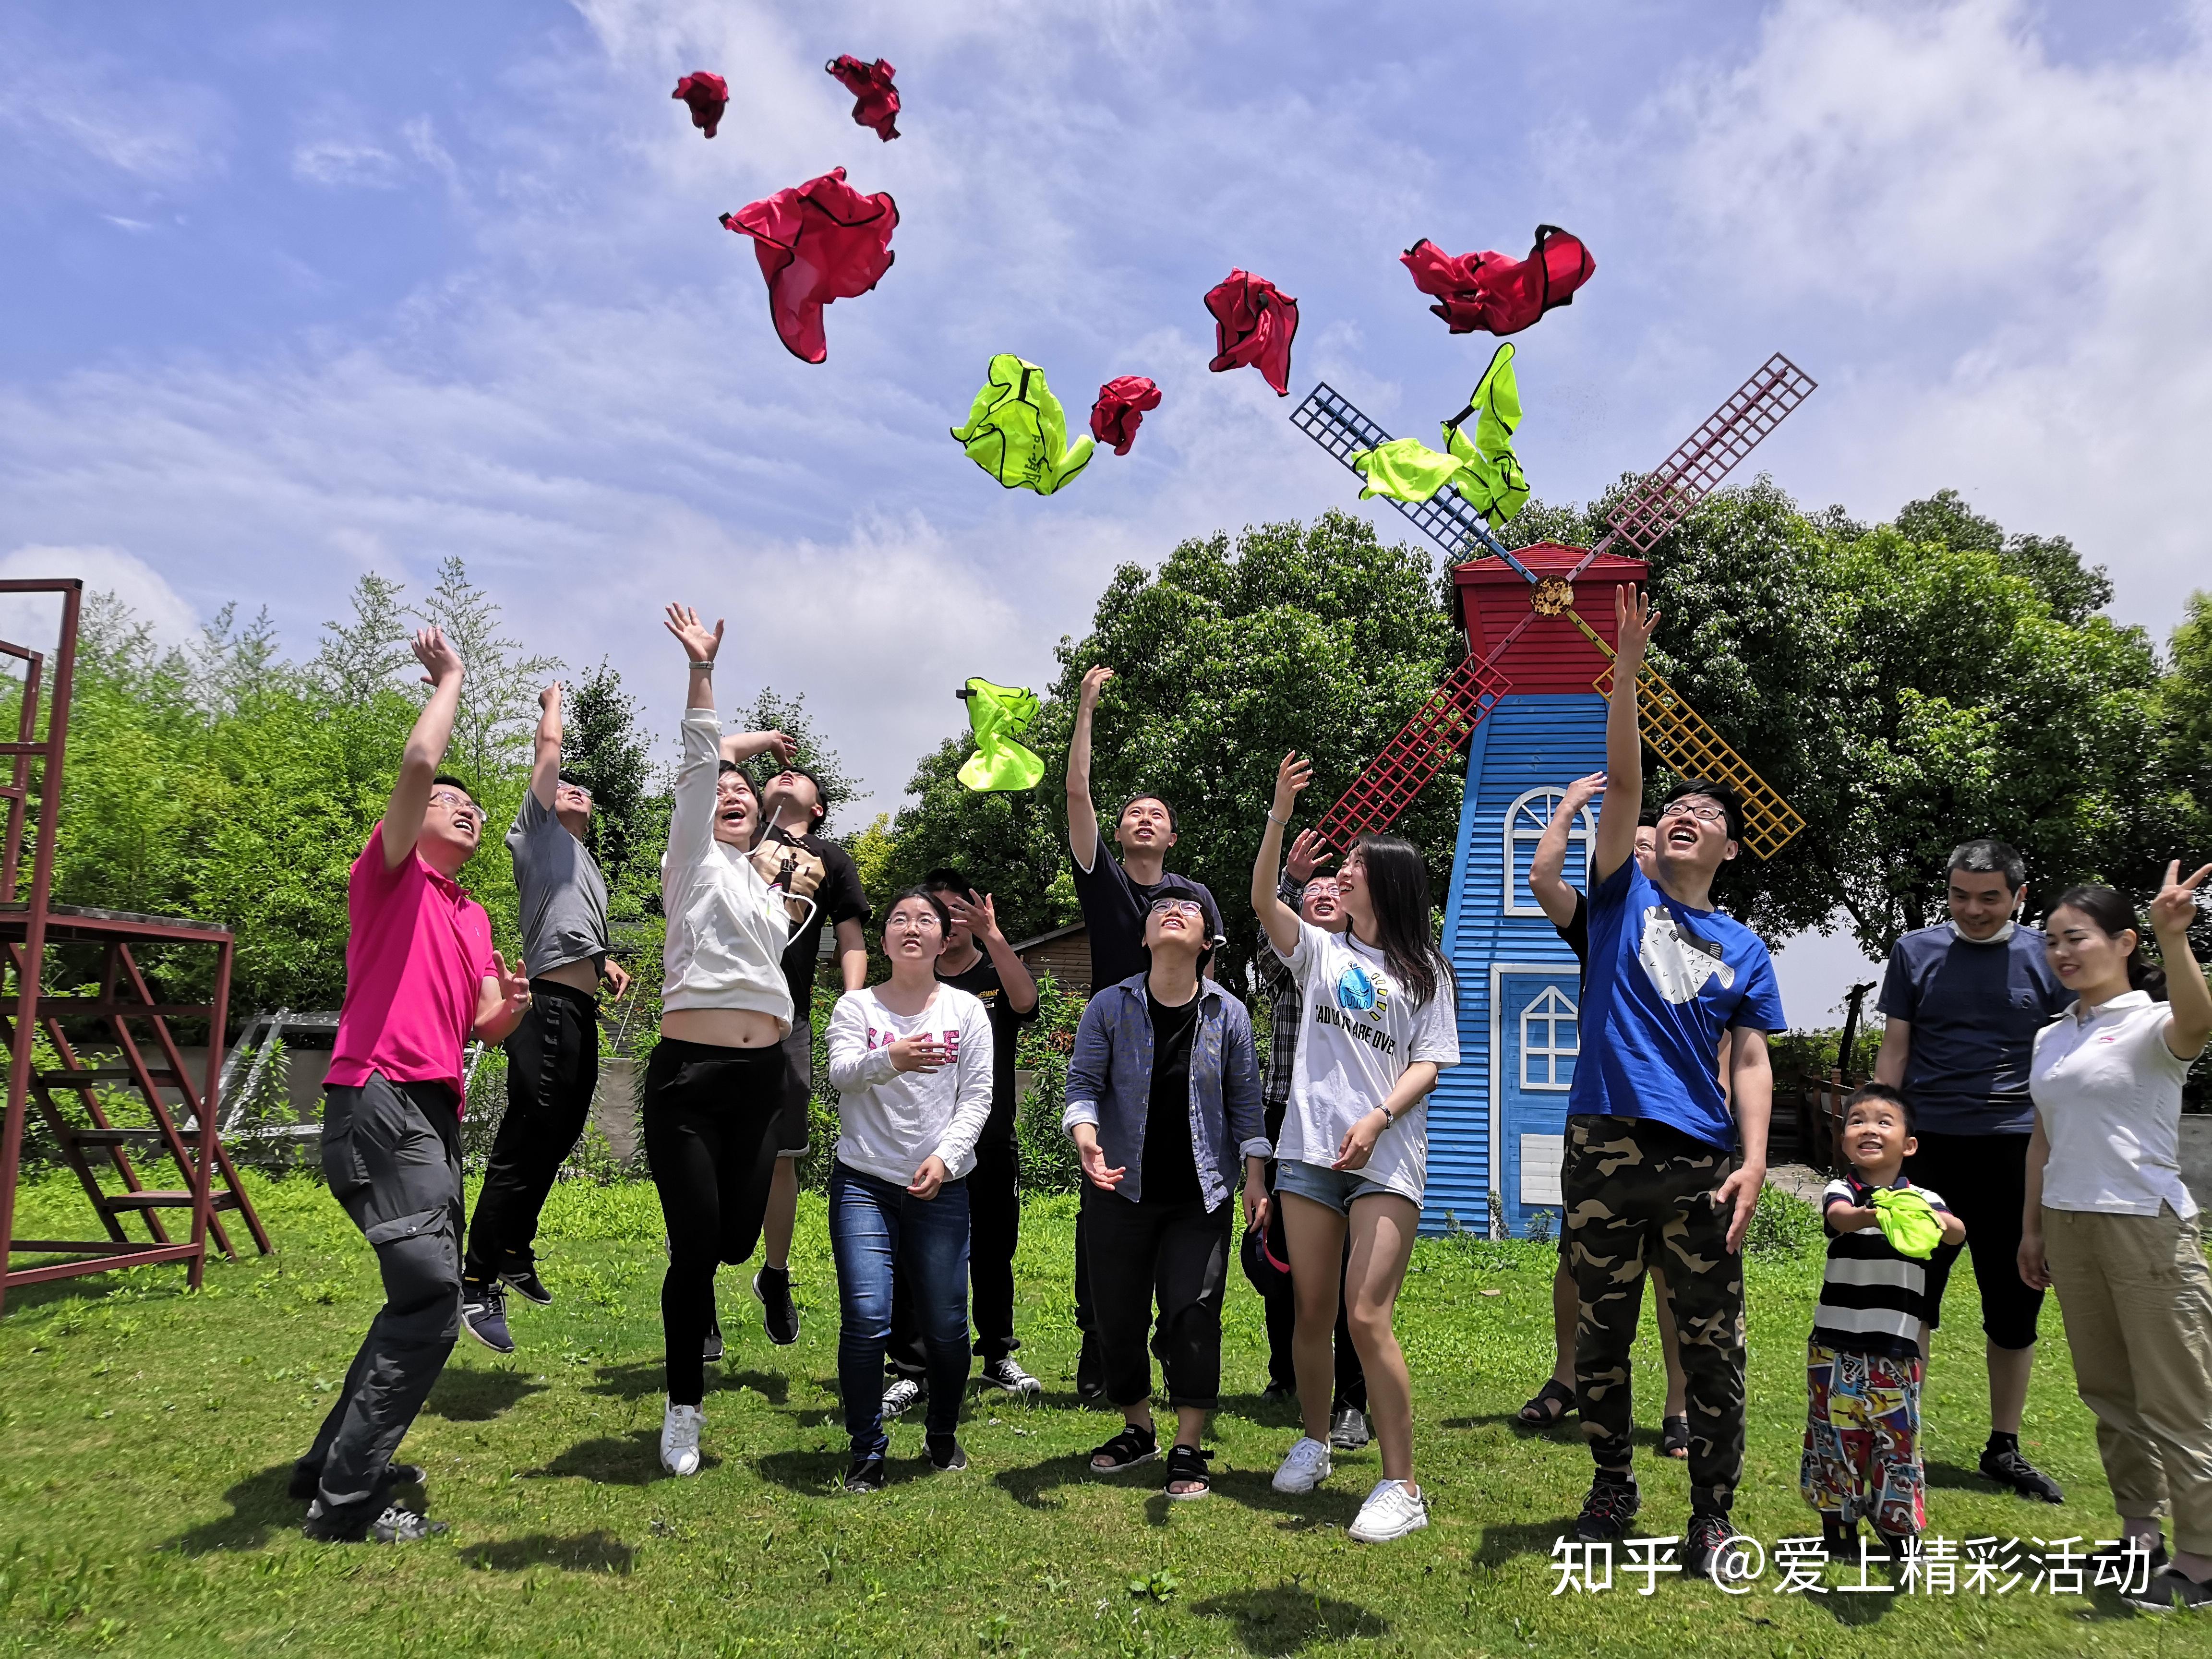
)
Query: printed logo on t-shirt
[
  {"x": 1359, "y": 991},
  {"x": 949, "y": 1039},
  {"x": 1679, "y": 963}
]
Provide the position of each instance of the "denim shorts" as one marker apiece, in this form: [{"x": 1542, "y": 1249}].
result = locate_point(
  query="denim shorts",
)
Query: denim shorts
[{"x": 1335, "y": 1188}]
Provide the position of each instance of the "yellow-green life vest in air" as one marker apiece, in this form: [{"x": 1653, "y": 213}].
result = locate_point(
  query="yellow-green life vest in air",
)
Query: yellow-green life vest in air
[{"x": 1016, "y": 431}]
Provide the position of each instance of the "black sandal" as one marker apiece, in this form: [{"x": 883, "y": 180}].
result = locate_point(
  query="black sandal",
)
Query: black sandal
[
  {"x": 1674, "y": 1437},
  {"x": 1186, "y": 1467},
  {"x": 1126, "y": 1451},
  {"x": 1552, "y": 1401}
]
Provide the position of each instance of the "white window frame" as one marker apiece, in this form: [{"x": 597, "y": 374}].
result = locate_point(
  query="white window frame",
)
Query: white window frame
[
  {"x": 1550, "y": 1008},
  {"x": 1518, "y": 901}
]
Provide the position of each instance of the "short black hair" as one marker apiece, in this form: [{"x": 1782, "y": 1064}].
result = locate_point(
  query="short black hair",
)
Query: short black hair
[
  {"x": 1174, "y": 825},
  {"x": 729, "y": 765},
  {"x": 821, "y": 795},
  {"x": 1888, "y": 1095},
  {"x": 947, "y": 879},
  {"x": 575, "y": 780},
  {"x": 1730, "y": 802},
  {"x": 453, "y": 782},
  {"x": 1985, "y": 856}
]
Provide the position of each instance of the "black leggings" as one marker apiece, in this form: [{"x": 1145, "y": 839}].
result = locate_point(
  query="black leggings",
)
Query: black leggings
[{"x": 710, "y": 1115}]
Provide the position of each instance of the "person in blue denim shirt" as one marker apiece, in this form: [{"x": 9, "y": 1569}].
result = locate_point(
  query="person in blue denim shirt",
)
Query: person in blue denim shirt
[{"x": 1164, "y": 1083}]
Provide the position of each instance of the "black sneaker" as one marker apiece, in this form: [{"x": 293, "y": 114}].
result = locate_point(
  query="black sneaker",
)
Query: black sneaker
[
  {"x": 900, "y": 1396},
  {"x": 711, "y": 1349},
  {"x": 773, "y": 1286},
  {"x": 395, "y": 1525},
  {"x": 945, "y": 1455},
  {"x": 2008, "y": 1467},
  {"x": 866, "y": 1474},
  {"x": 524, "y": 1281},
  {"x": 308, "y": 1478},
  {"x": 2115, "y": 1565},
  {"x": 1840, "y": 1542},
  {"x": 1611, "y": 1505},
  {"x": 484, "y": 1312},
  {"x": 1275, "y": 1393},
  {"x": 1702, "y": 1544},
  {"x": 1008, "y": 1377},
  {"x": 2170, "y": 1588}
]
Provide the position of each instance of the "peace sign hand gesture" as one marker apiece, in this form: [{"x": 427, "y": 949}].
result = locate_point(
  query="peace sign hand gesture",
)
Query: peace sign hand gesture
[{"x": 2173, "y": 912}]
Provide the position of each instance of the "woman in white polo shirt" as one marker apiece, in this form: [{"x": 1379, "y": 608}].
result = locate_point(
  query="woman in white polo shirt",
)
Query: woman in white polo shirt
[{"x": 2109, "y": 1223}]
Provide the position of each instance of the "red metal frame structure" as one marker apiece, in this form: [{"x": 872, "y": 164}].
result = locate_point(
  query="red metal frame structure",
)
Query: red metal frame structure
[{"x": 30, "y": 922}]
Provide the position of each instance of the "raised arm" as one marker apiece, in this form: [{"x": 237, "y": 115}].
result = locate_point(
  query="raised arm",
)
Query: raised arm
[
  {"x": 1634, "y": 621},
  {"x": 740, "y": 747},
  {"x": 545, "y": 762},
  {"x": 1016, "y": 983},
  {"x": 426, "y": 746},
  {"x": 1546, "y": 876},
  {"x": 1082, "y": 816},
  {"x": 2171, "y": 914},
  {"x": 1280, "y": 922},
  {"x": 691, "y": 819}
]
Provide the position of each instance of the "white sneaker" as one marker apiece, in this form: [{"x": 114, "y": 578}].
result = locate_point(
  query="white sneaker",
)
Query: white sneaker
[
  {"x": 679, "y": 1439},
  {"x": 1392, "y": 1510},
  {"x": 1306, "y": 1467}
]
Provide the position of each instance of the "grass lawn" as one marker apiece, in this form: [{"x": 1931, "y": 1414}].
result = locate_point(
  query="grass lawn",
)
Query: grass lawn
[{"x": 148, "y": 1436}]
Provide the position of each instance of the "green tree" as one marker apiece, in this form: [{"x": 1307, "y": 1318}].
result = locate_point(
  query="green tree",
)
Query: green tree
[
  {"x": 2074, "y": 591},
  {"x": 499, "y": 697},
  {"x": 605, "y": 748},
  {"x": 359, "y": 658},
  {"x": 1316, "y": 637},
  {"x": 772, "y": 711}
]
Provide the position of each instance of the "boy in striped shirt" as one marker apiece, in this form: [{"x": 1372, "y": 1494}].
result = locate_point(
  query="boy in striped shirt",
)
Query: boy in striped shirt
[{"x": 1863, "y": 1364}]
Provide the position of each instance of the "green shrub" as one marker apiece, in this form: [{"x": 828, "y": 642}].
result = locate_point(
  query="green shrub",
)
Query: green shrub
[{"x": 1782, "y": 1225}]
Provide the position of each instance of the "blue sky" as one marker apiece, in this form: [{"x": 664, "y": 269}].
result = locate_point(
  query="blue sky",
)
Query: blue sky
[{"x": 295, "y": 291}]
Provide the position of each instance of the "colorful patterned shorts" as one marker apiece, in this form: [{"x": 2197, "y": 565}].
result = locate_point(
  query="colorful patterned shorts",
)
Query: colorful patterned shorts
[{"x": 1863, "y": 1440}]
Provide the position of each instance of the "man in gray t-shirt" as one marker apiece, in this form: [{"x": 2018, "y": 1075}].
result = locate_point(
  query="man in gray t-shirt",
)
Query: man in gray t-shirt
[{"x": 553, "y": 1058}]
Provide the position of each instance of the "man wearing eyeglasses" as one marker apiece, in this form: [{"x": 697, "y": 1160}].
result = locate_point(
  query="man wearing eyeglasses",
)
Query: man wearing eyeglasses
[
  {"x": 1116, "y": 896},
  {"x": 553, "y": 1057},
  {"x": 1651, "y": 1135},
  {"x": 421, "y": 976}
]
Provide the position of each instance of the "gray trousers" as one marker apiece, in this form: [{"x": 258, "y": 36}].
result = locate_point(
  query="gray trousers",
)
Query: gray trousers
[{"x": 391, "y": 1152}]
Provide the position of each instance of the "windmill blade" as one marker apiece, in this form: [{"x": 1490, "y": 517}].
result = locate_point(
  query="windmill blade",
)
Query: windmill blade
[
  {"x": 1679, "y": 735},
  {"x": 1701, "y": 461},
  {"x": 1446, "y": 518},
  {"x": 1424, "y": 746}
]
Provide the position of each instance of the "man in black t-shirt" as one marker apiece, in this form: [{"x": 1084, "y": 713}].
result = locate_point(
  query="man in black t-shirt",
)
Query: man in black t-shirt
[
  {"x": 790, "y": 851},
  {"x": 978, "y": 960},
  {"x": 1116, "y": 896}
]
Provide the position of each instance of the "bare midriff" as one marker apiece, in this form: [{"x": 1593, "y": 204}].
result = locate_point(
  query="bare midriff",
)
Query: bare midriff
[
  {"x": 582, "y": 974},
  {"x": 722, "y": 1028}
]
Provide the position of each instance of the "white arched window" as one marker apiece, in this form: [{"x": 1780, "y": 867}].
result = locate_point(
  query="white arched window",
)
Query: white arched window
[
  {"x": 1551, "y": 1032},
  {"x": 1525, "y": 826}
]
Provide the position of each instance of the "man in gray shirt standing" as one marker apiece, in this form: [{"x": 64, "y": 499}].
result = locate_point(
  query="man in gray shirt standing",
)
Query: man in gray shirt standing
[{"x": 553, "y": 1056}]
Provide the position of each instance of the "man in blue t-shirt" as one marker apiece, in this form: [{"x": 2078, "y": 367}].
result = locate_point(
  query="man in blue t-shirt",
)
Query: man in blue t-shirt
[
  {"x": 1965, "y": 999},
  {"x": 1649, "y": 1173}
]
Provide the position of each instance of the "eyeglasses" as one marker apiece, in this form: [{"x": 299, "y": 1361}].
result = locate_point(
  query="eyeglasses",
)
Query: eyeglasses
[
  {"x": 1707, "y": 813},
  {"x": 458, "y": 806},
  {"x": 1162, "y": 907}
]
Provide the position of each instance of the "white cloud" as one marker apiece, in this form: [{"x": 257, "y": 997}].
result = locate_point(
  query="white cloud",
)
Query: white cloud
[
  {"x": 86, "y": 121},
  {"x": 33, "y": 621},
  {"x": 346, "y": 163}
]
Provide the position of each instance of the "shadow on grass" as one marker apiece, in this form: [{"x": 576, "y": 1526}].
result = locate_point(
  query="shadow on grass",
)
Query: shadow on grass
[
  {"x": 1290, "y": 1617},
  {"x": 1500, "y": 1544},
  {"x": 625, "y": 1460},
  {"x": 1566, "y": 1430},
  {"x": 463, "y": 1395},
  {"x": 633, "y": 1381},
  {"x": 261, "y": 1506},
  {"x": 596, "y": 1551},
  {"x": 769, "y": 1386},
  {"x": 815, "y": 1473}
]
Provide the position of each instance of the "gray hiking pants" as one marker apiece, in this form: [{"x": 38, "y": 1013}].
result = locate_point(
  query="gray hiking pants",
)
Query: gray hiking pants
[{"x": 391, "y": 1152}]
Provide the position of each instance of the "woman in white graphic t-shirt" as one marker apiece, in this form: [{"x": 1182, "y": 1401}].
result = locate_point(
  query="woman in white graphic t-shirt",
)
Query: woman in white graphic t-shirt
[
  {"x": 1378, "y": 1023},
  {"x": 2109, "y": 1223}
]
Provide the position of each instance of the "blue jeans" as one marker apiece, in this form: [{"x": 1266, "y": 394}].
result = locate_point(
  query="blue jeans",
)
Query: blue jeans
[{"x": 877, "y": 1228}]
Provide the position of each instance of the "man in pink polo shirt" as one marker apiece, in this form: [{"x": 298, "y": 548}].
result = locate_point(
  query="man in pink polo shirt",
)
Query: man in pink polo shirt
[{"x": 421, "y": 976}]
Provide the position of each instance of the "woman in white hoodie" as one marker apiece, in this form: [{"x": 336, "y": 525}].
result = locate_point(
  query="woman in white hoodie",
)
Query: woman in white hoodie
[
  {"x": 715, "y": 1082},
  {"x": 912, "y": 1062}
]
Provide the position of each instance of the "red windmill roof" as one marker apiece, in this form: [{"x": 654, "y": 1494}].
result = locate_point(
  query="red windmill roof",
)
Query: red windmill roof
[{"x": 1551, "y": 655}]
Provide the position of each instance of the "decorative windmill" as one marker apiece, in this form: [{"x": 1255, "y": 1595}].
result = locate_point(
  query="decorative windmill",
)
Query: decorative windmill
[
  {"x": 1442, "y": 727},
  {"x": 1528, "y": 707}
]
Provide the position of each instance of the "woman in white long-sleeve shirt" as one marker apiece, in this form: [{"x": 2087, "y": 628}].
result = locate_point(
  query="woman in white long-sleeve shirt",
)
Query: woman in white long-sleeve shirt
[
  {"x": 911, "y": 1060},
  {"x": 715, "y": 1082}
]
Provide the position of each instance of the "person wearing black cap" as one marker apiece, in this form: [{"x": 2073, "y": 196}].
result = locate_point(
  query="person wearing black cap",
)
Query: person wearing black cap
[{"x": 1116, "y": 896}]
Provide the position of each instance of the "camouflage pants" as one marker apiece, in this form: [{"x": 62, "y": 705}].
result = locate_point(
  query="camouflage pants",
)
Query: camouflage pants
[{"x": 1639, "y": 1192}]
